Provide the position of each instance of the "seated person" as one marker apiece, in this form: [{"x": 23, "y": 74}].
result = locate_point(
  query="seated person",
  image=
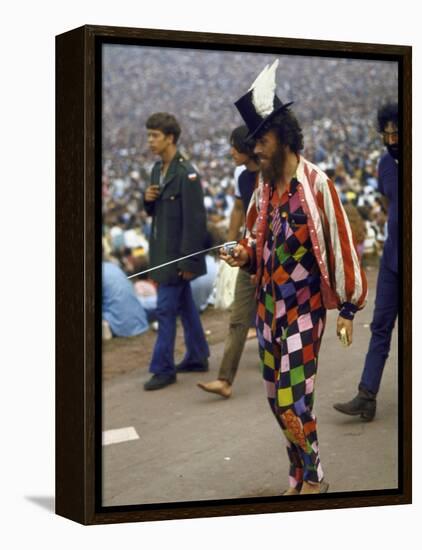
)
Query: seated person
[
  {"x": 202, "y": 287},
  {"x": 120, "y": 306},
  {"x": 146, "y": 293}
]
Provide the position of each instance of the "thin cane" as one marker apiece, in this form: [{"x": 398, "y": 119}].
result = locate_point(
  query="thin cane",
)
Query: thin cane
[{"x": 229, "y": 246}]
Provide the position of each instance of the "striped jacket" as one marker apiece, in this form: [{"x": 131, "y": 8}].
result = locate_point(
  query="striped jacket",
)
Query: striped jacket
[{"x": 343, "y": 282}]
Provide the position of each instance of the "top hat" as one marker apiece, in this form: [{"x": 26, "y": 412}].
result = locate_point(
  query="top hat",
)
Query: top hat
[{"x": 260, "y": 104}]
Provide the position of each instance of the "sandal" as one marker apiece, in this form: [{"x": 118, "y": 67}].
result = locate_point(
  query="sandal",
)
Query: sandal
[{"x": 291, "y": 491}]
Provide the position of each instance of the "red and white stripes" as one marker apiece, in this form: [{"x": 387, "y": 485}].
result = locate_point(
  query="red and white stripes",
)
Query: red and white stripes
[{"x": 342, "y": 278}]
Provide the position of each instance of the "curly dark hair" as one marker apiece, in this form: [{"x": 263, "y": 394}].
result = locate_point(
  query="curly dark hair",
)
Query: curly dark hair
[
  {"x": 387, "y": 113},
  {"x": 166, "y": 123},
  {"x": 287, "y": 129},
  {"x": 239, "y": 140}
]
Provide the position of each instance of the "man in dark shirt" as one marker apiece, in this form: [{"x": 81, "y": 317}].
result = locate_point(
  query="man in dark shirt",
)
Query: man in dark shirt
[
  {"x": 176, "y": 203},
  {"x": 244, "y": 297},
  {"x": 386, "y": 301}
]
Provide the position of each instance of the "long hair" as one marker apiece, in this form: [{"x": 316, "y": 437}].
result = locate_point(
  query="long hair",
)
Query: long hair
[
  {"x": 387, "y": 113},
  {"x": 287, "y": 129}
]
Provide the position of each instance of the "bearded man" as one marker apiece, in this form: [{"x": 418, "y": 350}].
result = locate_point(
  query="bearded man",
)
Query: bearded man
[
  {"x": 385, "y": 313},
  {"x": 299, "y": 244}
]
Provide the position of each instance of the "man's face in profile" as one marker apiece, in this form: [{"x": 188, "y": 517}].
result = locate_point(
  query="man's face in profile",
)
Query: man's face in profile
[
  {"x": 390, "y": 137},
  {"x": 238, "y": 158},
  {"x": 271, "y": 154},
  {"x": 158, "y": 142}
]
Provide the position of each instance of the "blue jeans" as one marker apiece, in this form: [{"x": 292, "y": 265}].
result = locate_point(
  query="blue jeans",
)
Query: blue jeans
[
  {"x": 174, "y": 300},
  {"x": 385, "y": 314}
]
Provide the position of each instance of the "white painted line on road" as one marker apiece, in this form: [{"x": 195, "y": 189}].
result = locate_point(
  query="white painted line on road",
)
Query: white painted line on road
[{"x": 110, "y": 437}]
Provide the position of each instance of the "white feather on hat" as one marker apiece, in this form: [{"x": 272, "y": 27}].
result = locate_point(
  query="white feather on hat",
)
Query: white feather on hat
[{"x": 263, "y": 90}]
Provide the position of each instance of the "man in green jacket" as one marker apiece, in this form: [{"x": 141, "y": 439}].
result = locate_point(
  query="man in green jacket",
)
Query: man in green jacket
[{"x": 175, "y": 201}]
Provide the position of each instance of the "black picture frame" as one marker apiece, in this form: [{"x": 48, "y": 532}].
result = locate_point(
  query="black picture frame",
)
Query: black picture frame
[{"x": 78, "y": 277}]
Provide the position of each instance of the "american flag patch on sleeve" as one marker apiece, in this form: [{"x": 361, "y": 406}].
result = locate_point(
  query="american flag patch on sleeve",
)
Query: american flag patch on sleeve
[{"x": 192, "y": 176}]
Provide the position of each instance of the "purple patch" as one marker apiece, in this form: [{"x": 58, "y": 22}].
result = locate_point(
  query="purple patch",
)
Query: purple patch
[
  {"x": 299, "y": 406},
  {"x": 303, "y": 295},
  {"x": 287, "y": 289}
]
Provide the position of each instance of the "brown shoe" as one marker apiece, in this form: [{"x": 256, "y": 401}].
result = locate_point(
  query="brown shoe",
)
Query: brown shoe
[
  {"x": 291, "y": 491},
  {"x": 220, "y": 387},
  {"x": 314, "y": 488}
]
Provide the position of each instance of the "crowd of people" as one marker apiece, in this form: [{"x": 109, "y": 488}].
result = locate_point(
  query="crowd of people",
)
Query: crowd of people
[
  {"x": 335, "y": 100},
  {"x": 307, "y": 213}
]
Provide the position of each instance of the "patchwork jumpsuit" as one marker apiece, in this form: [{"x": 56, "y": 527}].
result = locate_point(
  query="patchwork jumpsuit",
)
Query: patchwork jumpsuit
[{"x": 290, "y": 324}]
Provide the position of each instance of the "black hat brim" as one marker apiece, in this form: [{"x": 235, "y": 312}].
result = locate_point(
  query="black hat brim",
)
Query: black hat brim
[{"x": 261, "y": 127}]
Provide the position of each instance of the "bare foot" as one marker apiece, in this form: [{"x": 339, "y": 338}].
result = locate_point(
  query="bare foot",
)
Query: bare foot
[
  {"x": 220, "y": 387},
  {"x": 251, "y": 334}
]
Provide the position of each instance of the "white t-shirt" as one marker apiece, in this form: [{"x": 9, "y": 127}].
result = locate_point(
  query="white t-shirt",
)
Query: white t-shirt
[{"x": 238, "y": 170}]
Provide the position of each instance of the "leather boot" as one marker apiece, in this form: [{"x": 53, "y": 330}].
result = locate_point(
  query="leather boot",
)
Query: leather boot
[{"x": 364, "y": 404}]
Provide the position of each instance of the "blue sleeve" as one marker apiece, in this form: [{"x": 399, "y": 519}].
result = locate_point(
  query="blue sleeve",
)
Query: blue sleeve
[{"x": 381, "y": 170}]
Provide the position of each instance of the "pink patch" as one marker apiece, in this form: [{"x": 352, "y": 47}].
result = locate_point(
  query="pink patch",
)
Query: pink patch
[
  {"x": 294, "y": 202},
  {"x": 266, "y": 253},
  {"x": 294, "y": 343},
  {"x": 280, "y": 309},
  {"x": 267, "y": 333},
  {"x": 269, "y": 389},
  {"x": 292, "y": 482},
  {"x": 299, "y": 273},
  {"x": 304, "y": 322},
  {"x": 285, "y": 364},
  {"x": 289, "y": 232},
  {"x": 309, "y": 385},
  {"x": 320, "y": 471}
]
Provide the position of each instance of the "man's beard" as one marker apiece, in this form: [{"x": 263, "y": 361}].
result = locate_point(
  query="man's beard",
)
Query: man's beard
[{"x": 274, "y": 170}]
